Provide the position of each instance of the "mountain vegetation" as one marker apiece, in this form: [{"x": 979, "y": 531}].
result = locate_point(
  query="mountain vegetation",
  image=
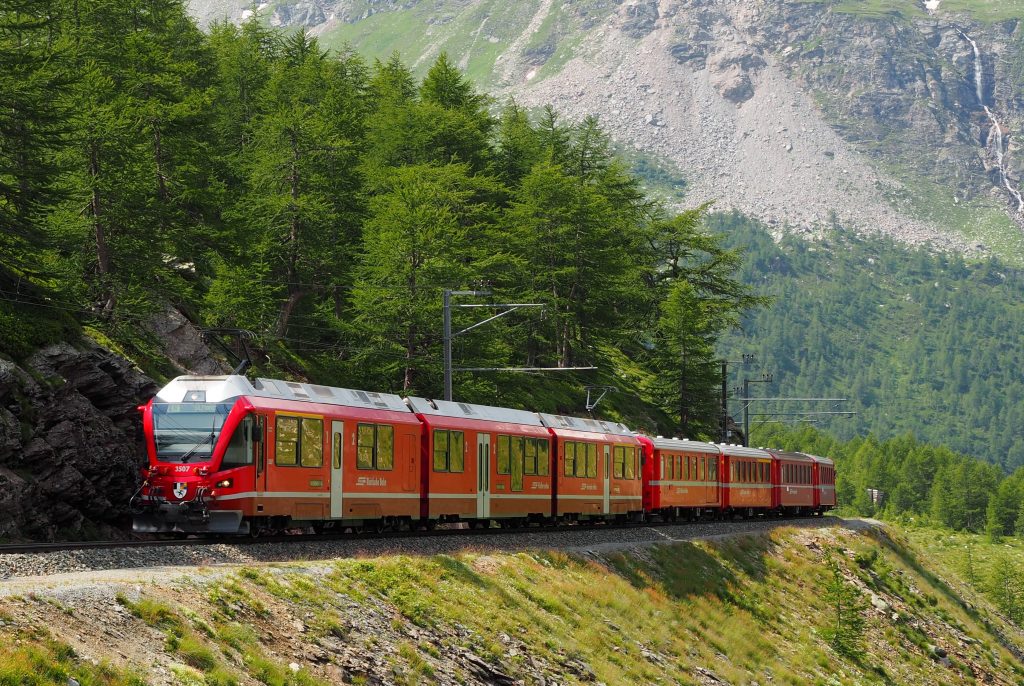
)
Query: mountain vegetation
[
  {"x": 919, "y": 342},
  {"x": 733, "y": 610},
  {"x": 253, "y": 179},
  {"x": 906, "y": 480}
]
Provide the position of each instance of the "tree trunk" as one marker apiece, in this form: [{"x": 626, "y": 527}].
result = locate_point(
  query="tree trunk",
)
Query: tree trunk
[
  {"x": 295, "y": 291},
  {"x": 104, "y": 262},
  {"x": 161, "y": 182},
  {"x": 684, "y": 414}
]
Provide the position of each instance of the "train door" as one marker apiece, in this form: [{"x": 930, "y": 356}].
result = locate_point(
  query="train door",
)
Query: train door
[
  {"x": 337, "y": 462},
  {"x": 483, "y": 476},
  {"x": 711, "y": 481},
  {"x": 607, "y": 478},
  {"x": 259, "y": 453}
]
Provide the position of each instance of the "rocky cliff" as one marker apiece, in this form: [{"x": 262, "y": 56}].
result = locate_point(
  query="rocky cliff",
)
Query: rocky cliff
[
  {"x": 880, "y": 116},
  {"x": 70, "y": 443}
]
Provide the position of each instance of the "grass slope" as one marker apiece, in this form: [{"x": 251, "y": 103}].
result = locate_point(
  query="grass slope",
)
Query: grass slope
[{"x": 740, "y": 610}]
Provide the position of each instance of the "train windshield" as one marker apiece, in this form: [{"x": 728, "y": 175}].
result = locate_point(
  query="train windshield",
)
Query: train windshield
[{"x": 187, "y": 432}]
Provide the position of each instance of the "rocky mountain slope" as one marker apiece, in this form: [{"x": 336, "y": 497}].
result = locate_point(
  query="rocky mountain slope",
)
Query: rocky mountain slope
[{"x": 876, "y": 115}]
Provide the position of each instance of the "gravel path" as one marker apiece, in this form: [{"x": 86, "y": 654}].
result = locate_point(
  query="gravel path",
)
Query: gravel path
[{"x": 175, "y": 559}]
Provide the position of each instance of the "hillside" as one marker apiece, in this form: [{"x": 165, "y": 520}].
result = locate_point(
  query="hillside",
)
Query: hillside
[
  {"x": 921, "y": 343},
  {"x": 878, "y": 116},
  {"x": 736, "y": 610}
]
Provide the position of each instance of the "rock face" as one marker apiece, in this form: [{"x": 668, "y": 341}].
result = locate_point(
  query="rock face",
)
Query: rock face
[
  {"x": 70, "y": 442},
  {"x": 801, "y": 114}
]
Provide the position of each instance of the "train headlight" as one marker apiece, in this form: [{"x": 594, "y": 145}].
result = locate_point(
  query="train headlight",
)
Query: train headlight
[{"x": 226, "y": 483}]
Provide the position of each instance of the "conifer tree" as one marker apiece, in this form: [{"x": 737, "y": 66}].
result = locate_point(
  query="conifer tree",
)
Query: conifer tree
[
  {"x": 845, "y": 630},
  {"x": 422, "y": 223},
  {"x": 34, "y": 71},
  {"x": 302, "y": 201}
]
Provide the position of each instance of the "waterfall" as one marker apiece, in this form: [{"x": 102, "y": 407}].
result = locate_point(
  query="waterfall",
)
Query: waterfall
[{"x": 996, "y": 130}]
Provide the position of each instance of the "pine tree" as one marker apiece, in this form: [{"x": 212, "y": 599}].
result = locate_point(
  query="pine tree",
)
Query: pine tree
[
  {"x": 1004, "y": 586},
  {"x": 845, "y": 631},
  {"x": 140, "y": 163},
  {"x": 302, "y": 203},
  {"x": 422, "y": 223},
  {"x": 34, "y": 72}
]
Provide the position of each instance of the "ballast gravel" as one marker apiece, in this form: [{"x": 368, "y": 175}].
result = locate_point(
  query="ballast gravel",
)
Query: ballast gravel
[{"x": 578, "y": 539}]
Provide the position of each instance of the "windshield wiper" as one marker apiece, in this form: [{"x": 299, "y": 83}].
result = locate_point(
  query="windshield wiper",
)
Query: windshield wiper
[{"x": 184, "y": 458}]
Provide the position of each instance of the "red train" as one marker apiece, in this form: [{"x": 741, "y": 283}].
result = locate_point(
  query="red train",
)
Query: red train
[{"x": 234, "y": 456}]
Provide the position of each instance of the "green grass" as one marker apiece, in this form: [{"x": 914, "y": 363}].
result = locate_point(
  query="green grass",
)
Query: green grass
[
  {"x": 980, "y": 10},
  {"x": 33, "y": 659},
  {"x": 983, "y": 219},
  {"x": 637, "y": 617}
]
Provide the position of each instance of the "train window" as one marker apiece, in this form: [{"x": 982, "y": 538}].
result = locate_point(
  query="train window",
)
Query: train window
[
  {"x": 530, "y": 457},
  {"x": 440, "y": 450},
  {"x": 582, "y": 459},
  {"x": 336, "y": 451},
  {"x": 629, "y": 458},
  {"x": 375, "y": 446},
  {"x": 311, "y": 447},
  {"x": 714, "y": 469},
  {"x": 385, "y": 447},
  {"x": 236, "y": 455},
  {"x": 569, "y": 449},
  {"x": 299, "y": 442},
  {"x": 517, "y": 462},
  {"x": 618, "y": 461},
  {"x": 457, "y": 451},
  {"x": 287, "y": 444},
  {"x": 503, "y": 452},
  {"x": 364, "y": 446},
  {"x": 449, "y": 447},
  {"x": 591, "y": 460},
  {"x": 543, "y": 456}
]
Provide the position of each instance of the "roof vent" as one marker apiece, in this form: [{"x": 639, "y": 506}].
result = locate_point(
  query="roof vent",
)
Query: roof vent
[
  {"x": 378, "y": 400},
  {"x": 322, "y": 391},
  {"x": 466, "y": 408},
  {"x": 297, "y": 390}
]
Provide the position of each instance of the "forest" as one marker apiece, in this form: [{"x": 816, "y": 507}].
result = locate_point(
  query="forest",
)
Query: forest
[
  {"x": 920, "y": 342},
  {"x": 252, "y": 179}
]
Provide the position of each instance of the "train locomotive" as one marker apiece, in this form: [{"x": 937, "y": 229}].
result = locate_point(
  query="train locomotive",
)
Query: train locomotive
[{"x": 234, "y": 456}]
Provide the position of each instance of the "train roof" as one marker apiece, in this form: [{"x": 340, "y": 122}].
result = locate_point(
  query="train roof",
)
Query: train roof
[
  {"x": 213, "y": 389},
  {"x": 822, "y": 460},
  {"x": 487, "y": 413},
  {"x": 796, "y": 457},
  {"x": 686, "y": 445},
  {"x": 597, "y": 426},
  {"x": 741, "y": 451}
]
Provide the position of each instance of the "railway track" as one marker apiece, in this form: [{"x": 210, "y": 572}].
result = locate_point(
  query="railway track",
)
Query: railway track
[{"x": 441, "y": 532}]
